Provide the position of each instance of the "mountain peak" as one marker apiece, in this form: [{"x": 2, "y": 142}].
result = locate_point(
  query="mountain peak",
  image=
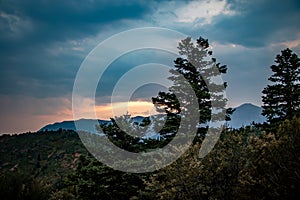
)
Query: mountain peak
[
  {"x": 245, "y": 114},
  {"x": 247, "y": 105}
]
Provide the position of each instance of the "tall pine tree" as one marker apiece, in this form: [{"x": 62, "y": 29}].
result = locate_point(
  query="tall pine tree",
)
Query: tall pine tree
[
  {"x": 282, "y": 98},
  {"x": 196, "y": 66}
]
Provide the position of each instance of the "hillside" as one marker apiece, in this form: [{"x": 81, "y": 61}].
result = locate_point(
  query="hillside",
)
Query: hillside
[
  {"x": 48, "y": 155},
  {"x": 49, "y": 165}
]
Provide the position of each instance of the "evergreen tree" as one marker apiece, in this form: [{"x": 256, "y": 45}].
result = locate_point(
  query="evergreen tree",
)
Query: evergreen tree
[
  {"x": 196, "y": 67},
  {"x": 282, "y": 98},
  {"x": 93, "y": 180}
]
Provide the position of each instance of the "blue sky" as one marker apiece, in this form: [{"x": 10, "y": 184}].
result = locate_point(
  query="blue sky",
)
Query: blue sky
[{"x": 43, "y": 43}]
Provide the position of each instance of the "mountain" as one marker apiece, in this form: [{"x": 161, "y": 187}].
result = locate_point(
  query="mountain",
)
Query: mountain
[
  {"x": 88, "y": 125},
  {"x": 245, "y": 114}
]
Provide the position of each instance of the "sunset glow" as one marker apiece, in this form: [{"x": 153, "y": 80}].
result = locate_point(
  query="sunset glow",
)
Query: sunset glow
[{"x": 134, "y": 108}]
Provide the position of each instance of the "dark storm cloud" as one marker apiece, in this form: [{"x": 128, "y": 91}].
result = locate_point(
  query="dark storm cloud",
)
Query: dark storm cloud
[
  {"x": 30, "y": 30},
  {"x": 258, "y": 23},
  {"x": 59, "y": 20}
]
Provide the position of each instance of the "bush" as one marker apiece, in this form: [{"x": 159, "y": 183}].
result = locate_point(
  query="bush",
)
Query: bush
[
  {"x": 243, "y": 165},
  {"x": 14, "y": 186}
]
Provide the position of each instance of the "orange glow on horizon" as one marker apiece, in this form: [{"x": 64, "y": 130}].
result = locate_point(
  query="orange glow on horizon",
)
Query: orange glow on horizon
[
  {"x": 134, "y": 108},
  {"x": 24, "y": 114}
]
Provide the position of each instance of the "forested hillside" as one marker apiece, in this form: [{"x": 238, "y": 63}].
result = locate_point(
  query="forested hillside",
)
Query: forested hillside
[{"x": 245, "y": 163}]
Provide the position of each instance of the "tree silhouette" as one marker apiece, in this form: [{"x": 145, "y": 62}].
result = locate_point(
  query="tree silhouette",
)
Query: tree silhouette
[
  {"x": 196, "y": 66},
  {"x": 282, "y": 98}
]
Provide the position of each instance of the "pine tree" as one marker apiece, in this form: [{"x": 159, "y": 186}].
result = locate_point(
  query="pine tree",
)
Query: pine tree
[
  {"x": 282, "y": 98},
  {"x": 193, "y": 64}
]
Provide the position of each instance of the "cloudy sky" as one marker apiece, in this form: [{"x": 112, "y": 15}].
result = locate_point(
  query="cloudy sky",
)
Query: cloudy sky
[{"x": 43, "y": 44}]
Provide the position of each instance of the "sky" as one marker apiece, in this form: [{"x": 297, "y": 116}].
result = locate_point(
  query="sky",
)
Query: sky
[{"x": 43, "y": 44}]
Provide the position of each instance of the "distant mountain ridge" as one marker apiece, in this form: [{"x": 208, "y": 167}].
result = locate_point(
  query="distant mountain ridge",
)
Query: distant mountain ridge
[
  {"x": 87, "y": 124},
  {"x": 244, "y": 115}
]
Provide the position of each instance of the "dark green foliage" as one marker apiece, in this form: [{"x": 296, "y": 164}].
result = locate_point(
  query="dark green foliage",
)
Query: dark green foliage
[
  {"x": 93, "y": 180},
  {"x": 245, "y": 164},
  {"x": 38, "y": 161},
  {"x": 62, "y": 195},
  {"x": 273, "y": 165},
  {"x": 118, "y": 136},
  {"x": 122, "y": 139},
  {"x": 282, "y": 98},
  {"x": 196, "y": 67},
  {"x": 15, "y": 186},
  {"x": 57, "y": 166}
]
